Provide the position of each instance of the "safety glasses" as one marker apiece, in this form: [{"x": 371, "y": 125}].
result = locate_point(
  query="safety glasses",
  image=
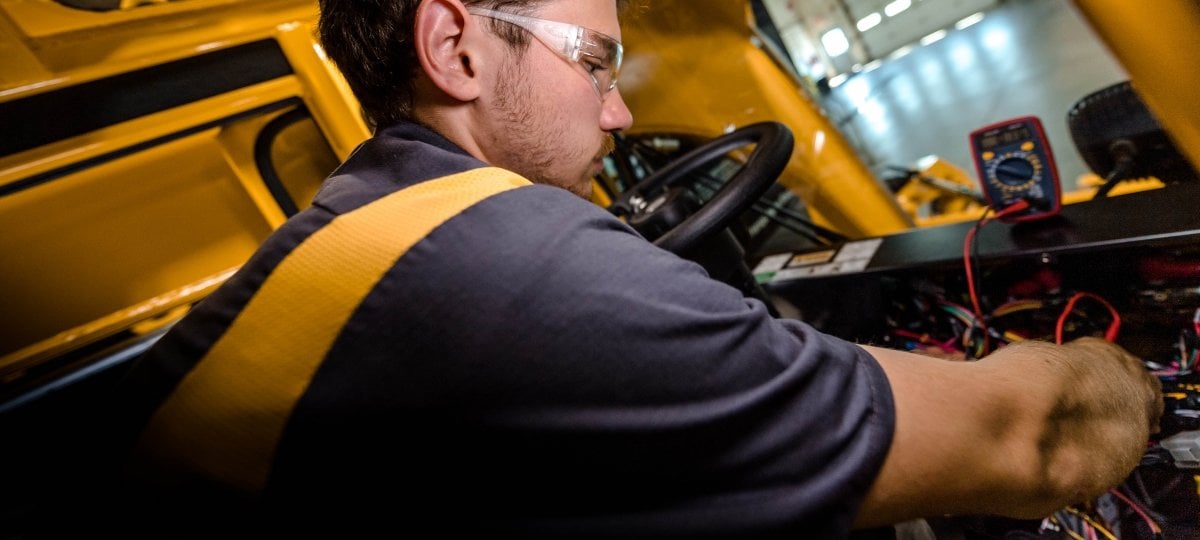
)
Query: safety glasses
[{"x": 598, "y": 54}]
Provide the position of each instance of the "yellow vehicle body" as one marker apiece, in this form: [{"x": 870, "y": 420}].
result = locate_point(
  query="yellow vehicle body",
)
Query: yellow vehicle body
[{"x": 112, "y": 230}]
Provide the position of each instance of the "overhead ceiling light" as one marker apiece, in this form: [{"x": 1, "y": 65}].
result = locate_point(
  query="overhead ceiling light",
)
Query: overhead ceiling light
[
  {"x": 837, "y": 80},
  {"x": 901, "y": 52},
  {"x": 896, "y": 7},
  {"x": 969, "y": 20},
  {"x": 835, "y": 42},
  {"x": 933, "y": 38},
  {"x": 869, "y": 22}
]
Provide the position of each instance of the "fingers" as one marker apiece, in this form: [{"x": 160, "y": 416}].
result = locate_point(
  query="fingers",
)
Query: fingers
[{"x": 1150, "y": 386}]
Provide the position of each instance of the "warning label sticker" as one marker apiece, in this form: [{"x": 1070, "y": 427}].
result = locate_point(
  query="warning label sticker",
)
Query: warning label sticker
[{"x": 850, "y": 257}]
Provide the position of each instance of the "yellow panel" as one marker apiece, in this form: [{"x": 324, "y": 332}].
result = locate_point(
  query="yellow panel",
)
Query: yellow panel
[
  {"x": 110, "y": 247},
  {"x": 139, "y": 319},
  {"x": 102, "y": 141},
  {"x": 327, "y": 95},
  {"x": 302, "y": 160},
  {"x": 56, "y": 46},
  {"x": 138, "y": 226}
]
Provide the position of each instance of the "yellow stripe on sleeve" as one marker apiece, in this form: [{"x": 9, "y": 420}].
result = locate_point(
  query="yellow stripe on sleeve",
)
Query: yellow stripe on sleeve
[{"x": 226, "y": 417}]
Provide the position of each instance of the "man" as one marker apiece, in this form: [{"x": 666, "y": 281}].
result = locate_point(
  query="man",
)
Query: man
[{"x": 453, "y": 339}]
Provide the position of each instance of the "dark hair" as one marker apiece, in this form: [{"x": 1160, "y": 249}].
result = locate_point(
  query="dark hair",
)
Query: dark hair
[{"x": 371, "y": 42}]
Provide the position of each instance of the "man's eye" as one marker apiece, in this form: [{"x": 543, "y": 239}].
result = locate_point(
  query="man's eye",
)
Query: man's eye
[{"x": 594, "y": 66}]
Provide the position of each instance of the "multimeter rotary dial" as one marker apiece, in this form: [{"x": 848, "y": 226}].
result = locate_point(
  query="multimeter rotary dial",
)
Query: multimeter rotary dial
[
  {"x": 1015, "y": 164},
  {"x": 1014, "y": 172}
]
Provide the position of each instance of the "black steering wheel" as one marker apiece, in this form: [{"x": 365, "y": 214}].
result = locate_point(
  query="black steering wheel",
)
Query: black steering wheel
[{"x": 773, "y": 147}]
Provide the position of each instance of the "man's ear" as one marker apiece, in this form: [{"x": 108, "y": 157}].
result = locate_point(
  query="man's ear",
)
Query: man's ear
[{"x": 445, "y": 47}]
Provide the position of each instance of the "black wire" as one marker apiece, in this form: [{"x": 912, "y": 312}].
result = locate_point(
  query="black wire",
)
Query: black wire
[
  {"x": 974, "y": 262},
  {"x": 830, "y": 236},
  {"x": 814, "y": 232},
  {"x": 808, "y": 235},
  {"x": 714, "y": 184},
  {"x": 1119, "y": 173}
]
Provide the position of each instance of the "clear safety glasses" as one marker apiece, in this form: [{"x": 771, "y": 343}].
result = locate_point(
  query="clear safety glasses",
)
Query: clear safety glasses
[{"x": 600, "y": 55}]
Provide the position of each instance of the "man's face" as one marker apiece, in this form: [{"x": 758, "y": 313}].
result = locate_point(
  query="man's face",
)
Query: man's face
[{"x": 548, "y": 124}]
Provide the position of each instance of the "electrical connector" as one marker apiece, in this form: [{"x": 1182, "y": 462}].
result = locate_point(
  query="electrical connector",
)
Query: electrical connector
[{"x": 1184, "y": 448}]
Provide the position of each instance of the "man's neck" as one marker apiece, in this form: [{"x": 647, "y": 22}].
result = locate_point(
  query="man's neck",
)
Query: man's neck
[{"x": 454, "y": 121}]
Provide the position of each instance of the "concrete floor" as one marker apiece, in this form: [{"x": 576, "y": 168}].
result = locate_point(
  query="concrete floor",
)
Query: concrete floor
[{"x": 1026, "y": 57}]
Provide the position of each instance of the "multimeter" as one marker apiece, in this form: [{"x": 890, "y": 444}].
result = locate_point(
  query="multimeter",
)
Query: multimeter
[{"x": 1015, "y": 163}]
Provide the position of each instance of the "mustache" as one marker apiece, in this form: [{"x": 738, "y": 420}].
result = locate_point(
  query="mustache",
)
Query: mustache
[{"x": 606, "y": 146}]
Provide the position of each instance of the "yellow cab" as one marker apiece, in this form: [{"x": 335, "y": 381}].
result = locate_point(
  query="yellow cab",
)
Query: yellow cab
[{"x": 149, "y": 146}]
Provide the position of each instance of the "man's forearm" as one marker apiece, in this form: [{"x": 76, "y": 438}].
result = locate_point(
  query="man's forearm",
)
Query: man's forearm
[{"x": 1030, "y": 429}]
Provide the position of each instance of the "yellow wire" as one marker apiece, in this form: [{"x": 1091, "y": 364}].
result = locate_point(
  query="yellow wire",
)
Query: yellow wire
[
  {"x": 1017, "y": 306},
  {"x": 1013, "y": 336},
  {"x": 1093, "y": 523},
  {"x": 1067, "y": 529}
]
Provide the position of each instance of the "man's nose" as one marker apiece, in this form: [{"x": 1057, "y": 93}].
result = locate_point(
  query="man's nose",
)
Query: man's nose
[{"x": 615, "y": 114}]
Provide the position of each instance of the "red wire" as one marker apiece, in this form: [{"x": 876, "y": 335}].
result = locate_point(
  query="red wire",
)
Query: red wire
[
  {"x": 968, "y": 241},
  {"x": 925, "y": 339},
  {"x": 1113, "y": 327},
  {"x": 1154, "y": 528}
]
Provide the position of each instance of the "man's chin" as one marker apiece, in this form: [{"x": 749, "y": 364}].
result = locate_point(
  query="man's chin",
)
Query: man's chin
[
  {"x": 582, "y": 189},
  {"x": 581, "y": 184}
]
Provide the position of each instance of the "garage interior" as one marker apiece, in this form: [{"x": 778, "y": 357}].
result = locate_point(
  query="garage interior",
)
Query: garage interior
[{"x": 915, "y": 83}]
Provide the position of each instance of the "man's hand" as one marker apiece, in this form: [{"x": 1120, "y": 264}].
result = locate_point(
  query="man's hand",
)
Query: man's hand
[
  {"x": 1096, "y": 429},
  {"x": 1025, "y": 431}
]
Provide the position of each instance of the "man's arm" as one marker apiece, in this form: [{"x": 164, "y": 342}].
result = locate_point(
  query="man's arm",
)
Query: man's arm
[{"x": 1021, "y": 433}]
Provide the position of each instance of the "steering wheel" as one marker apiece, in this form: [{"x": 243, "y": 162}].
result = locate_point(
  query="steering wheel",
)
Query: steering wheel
[{"x": 773, "y": 147}]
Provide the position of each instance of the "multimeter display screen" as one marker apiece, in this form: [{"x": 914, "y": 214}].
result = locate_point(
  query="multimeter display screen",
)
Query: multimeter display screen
[{"x": 1008, "y": 136}]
